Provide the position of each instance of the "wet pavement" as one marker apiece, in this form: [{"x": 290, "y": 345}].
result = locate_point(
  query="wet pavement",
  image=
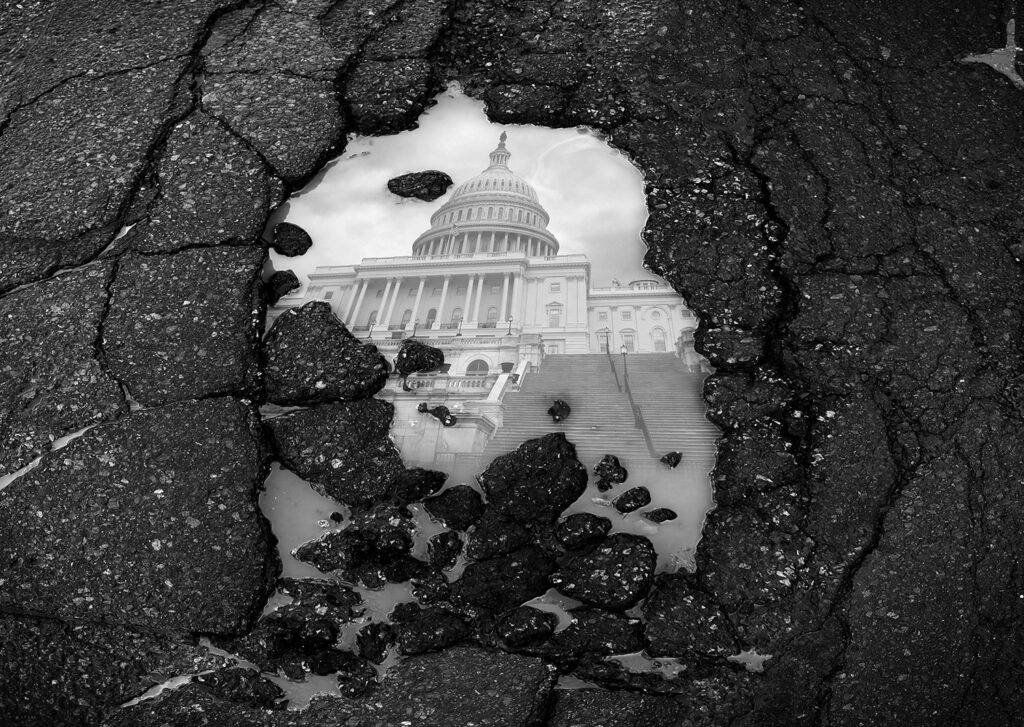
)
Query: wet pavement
[{"x": 835, "y": 195}]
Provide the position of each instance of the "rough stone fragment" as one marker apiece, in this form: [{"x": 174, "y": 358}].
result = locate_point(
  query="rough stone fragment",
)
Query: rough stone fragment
[
  {"x": 444, "y": 549},
  {"x": 537, "y": 481},
  {"x": 632, "y": 499},
  {"x": 414, "y": 485},
  {"x": 594, "y": 631},
  {"x": 69, "y": 674},
  {"x": 682, "y": 620},
  {"x": 50, "y": 379},
  {"x": 457, "y": 507},
  {"x": 293, "y": 122},
  {"x": 592, "y": 707},
  {"x": 343, "y": 448},
  {"x": 440, "y": 412},
  {"x": 496, "y": 535},
  {"x": 615, "y": 575},
  {"x": 186, "y": 325},
  {"x": 150, "y": 521},
  {"x": 281, "y": 283},
  {"x": 287, "y": 640},
  {"x": 415, "y": 357},
  {"x": 671, "y": 460},
  {"x": 431, "y": 629},
  {"x": 427, "y": 185},
  {"x": 464, "y": 686},
  {"x": 526, "y": 625},
  {"x": 291, "y": 240},
  {"x": 660, "y": 515},
  {"x": 202, "y": 162},
  {"x": 559, "y": 411},
  {"x": 335, "y": 599},
  {"x": 374, "y": 640},
  {"x": 582, "y": 530},
  {"x": 245, "y": 686},
  {"x": 506, "y": 581},
  {"x": 312, "y": 358},
  {"x": 92, "y": 129},
  {"x": 610, "y": 471}
]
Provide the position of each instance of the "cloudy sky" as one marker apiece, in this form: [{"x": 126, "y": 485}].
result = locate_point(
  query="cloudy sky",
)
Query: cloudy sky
[{"x": 592, "y": 193}]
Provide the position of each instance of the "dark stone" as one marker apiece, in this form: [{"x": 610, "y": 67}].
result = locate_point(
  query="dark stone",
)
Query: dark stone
[
  {"x": 671, "y": 460},
  {"x": 457, "y": 507},
  {"x": 594, "y": 631},
  {"x": 357, "y": 677},
  {"x": 444, "y": 549},
  {"x": 609, "y": 471},
  {"x": 632, "y": 499},
  {"x": 362, "y": 552},
  {"x": 615, "y": 575},
  {"x": 415, "y": 485},
  {"x": 243, "y": 686},
  {"x": 427, "y": 185},
  {"x": 559, "y": 411},
  {"x": 312, "y": 358},
  {"x": 415, "y": 357},
  {"x": 50, "y": 381},
  {"x": 185, "y": 326},
  {"x": 496, "y": 535},
  {"x": 682, "y": 620},
  {"x": 430, "y": 586},
  {"x": 526, "y": 625},
  {"x": 70, "y": 674},
  {"x": 281, "y": 283},
  {"x": 148, "y": 521},
  {"x": 439, "y": 412},
  {"x": 374, "y": 640},
  {"x": 336, "y": 599},
  {"x": 582, "y": 530},
  {"x": 343, "y": 448},
  {"x": 537, "y": 481},
  {"x": 660, "y": 515},
  {"x": 288, "y": 640},
  {"x": 290, "y": 240},
  {"x": 404, "y": 612},
  {"x": 506, "y": 581},
  {"x": 431, "y": 629}
]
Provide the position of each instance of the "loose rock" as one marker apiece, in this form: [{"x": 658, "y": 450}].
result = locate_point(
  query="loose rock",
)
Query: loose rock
[
  {"x": 457, "y": 507},
  {"x": 632, "y": 499},
  {"x": 660, "y": 515},
  {"x": 615, "y": 575},
  {"x": 559, "y": 411},
  {"x": 417, "y": 484},
  {"x": 505, "y": 581},
  {"x": 291, "y": 240},
  {"x": 414, "y": 357},
  {"x": 610, "y": 472},
  {"x": 281, "y": 283},
  {"x": 427, "y": 185},
  {"x": 581, "y": 530},
  {"x": 526, "y": 625},
  {"x": 671, "y": 460}
]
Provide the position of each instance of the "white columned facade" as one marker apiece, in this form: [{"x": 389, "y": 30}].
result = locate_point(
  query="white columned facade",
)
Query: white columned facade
[
  {"x": 384, "y": 302},
  {"x": 440, "y": 308},
  {"x": 356, "y": 303},
  {"x": 419, "y": 297}
]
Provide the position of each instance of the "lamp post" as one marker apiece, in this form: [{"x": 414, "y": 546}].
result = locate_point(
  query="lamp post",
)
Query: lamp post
[
  {"x": 510, "y": 319},
  {"x": 623, "y": 350},
  {"x": 415, "y": 325},
  {"x": 459, "y": 334}
]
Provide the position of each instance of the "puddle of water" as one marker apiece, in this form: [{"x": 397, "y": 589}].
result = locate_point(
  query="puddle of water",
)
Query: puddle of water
[
  {"x": 1003, "y": 60},
  {"x": 751, "y": 660},
  {"x": 640, "y": 663},
  {"x": 558, "y": 604},
  {"x": 526, "y": 289}
]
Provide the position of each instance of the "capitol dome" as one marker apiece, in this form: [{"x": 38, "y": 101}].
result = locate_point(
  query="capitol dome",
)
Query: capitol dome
[{"x": 496, "y": 211}]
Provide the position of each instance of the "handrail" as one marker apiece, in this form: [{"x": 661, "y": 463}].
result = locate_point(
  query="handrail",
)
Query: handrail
[
  {"x": 638, "y": 418},
  {"x": 611, "y": 362}
]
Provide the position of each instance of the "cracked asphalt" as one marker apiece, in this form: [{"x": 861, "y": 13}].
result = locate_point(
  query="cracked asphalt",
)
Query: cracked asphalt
[{"x": 835, "y": 194}]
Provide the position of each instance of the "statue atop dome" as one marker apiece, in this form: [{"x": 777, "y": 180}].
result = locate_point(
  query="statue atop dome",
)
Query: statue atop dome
[{"x": 500, "y": 155}]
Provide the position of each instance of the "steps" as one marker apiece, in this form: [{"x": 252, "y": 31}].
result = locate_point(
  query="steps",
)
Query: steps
[{"x": 602, "y": 419}]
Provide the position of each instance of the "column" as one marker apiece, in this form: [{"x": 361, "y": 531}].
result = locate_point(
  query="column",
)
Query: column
[
  {"x": 419, "y": 297},
  {"x": 503, "y": 311},
  {"x": 356, "y": 304},
  {"x": 479, "y": 298},
  {"x": 517, "y": 290},
  {"x": 492, "y": 249},
  {"x": 440, "y": 308},
  {"x": 394, "y": 299},
  {"x": 384, "y": 302},
  {"x": 469, "y": 299}
]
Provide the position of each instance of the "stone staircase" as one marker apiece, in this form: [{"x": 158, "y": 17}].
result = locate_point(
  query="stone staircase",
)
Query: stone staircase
[{"x": 602, "y": 420}]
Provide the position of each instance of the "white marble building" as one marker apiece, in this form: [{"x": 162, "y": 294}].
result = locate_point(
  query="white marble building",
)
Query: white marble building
[{"x": 486, "y": 284}]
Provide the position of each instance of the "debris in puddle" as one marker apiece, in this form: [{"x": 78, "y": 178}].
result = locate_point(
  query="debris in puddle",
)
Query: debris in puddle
[{"x": 751, "y": 660}]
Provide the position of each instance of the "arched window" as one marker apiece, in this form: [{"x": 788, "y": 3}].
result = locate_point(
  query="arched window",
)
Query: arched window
[
  {"x": 372, "y": 320},
  {"x": 629, "y": 341},
  {"x": 469, "y": 213},
  {"x": 492, "y": 315},
  {"x": 431, "y": 317},
  {"x": 554, "y": 315},
  {"x": 456, "y": 316},
  {"x": 406, "y": 316},
  {"x": 460, "y": 216},
  {"x": 490, "y": 212},
  {"x": 477, "y": 368},
  {"x": 520, "y": 216},
  {"x": 658, "y": 339}
]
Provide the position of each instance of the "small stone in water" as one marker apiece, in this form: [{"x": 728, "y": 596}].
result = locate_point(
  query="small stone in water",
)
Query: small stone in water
[
  {"x": 559, "y": 410},
  {"x": 660, "y": 515},
  {"x": 582, "y": 530},
  {"x": 632, "y": 499},
  {"x": 291, "y": 240},
  {"x": 672, "y": 459},
  {"x": 610, "y": 471}
]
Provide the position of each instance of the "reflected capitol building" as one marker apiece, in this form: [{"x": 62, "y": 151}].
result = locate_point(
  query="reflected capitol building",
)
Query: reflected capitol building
[{"x": 485, "y": 284}]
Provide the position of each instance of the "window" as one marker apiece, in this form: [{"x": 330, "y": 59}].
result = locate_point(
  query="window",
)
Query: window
[
  {"x": 602, "y": 315},
  {"x": 555, "y": 288},
  {"x": 490, "y": 212},
  {"x": 603, "y": 342},
  {"x": 492, "y": 315},
  {"x": 437, "y": 291},
  {"x": 658, "y": 339},
  {"x": 328, "y": 295},
  {"x": 431, "y": 317},
  {"x": 656, "y": 315},
  {"x": 629, "y": 342},
  {"x": 460, "y": 216},
  {"x": 478, "y": 367},
  {"x": 520, "y": 216},
  {"x": 552, "y": 348},
  {"x": 412, "y": 292},
  {"x": 554, "y": 316},
  {"x": 456, "y": 316},
  {"x": 495, "y": 289},
  {"x": 406, "y": 316},
  {"x": 627, "y": 315},
  {"x": 380, "y": 293},
  {"x": 372, "y": 320}
]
